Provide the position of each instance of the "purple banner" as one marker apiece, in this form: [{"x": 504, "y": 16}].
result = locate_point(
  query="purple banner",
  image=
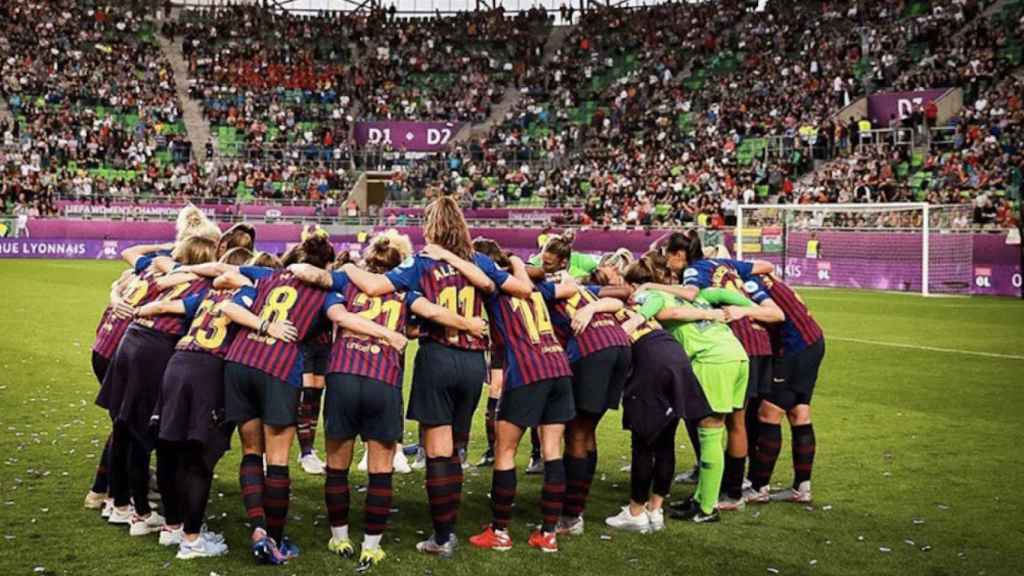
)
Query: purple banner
[
  {"x": 981, "y": 264},
  {"x": 412, "y": 136},
  {"x": 960, "y": 263},
  {"x": 884, "y": 105},
  {"x": 170, "y": 210},
  {"x": 161, "y": 231}
]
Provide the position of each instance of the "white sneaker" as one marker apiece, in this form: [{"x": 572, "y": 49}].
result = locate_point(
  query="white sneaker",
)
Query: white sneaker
[
  {"x": 362, "y": 466},
  {"x": 401, "y": 463},
  {"x": 171, "y": 536},
  {"x": 746, "y": 484},
  {"x": 801, "y": 494},
  {"x": 213, "y": 537},
  {"x": 570, "y": 526},
  {"x": 625, "y": 520},
  {"x": 657, "y": 519},
  {"x": 94, "y": 500},
  {"x": 688, "y": 477},
  {"x": 118, "y": 516},
  {"x": 200, "y": 548},
  {"x": 108, "y": 507},
  {"x": 731, "y": 504},
  {"x": 143, "y": 526},
  {"x": 311, "y": 463},
  {"x": 761, "y": 496},
  {"x": 421, "y": 460}
]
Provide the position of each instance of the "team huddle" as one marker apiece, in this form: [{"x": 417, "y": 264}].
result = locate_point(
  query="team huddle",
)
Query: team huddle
[{"x": 205, "y": 337}]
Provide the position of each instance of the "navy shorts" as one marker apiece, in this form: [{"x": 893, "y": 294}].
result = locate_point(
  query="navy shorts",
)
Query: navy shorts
[
  {"x": 250, "y": 393},
  {"x": 759, "y": 384},
  {"x": 365, "y": 407},
  {"x": 544, "y": 402},
  {"x": 795, "y": 376},
  {"x": 446, "y": 386},
  {"x": 315, "y": 357},
  {"x": 598, "y": 380}
]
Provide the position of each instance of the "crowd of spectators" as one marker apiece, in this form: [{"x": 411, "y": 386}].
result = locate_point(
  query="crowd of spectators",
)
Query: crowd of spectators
[
  {"x": 87, "y": 89},
  {"x": 660, "y": 114}
]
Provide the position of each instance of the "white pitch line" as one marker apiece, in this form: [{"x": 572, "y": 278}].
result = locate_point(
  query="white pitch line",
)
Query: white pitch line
[{"x": 928, "y": 348}]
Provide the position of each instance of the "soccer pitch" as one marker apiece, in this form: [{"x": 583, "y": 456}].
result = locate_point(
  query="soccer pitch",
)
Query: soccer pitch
[{"x": 918, "y": 411}]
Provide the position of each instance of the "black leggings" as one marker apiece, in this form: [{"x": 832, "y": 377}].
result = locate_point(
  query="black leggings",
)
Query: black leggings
[
  {"x": 185, "y": 480},
  {"x": 653, "y": 465},
  {"x": 129, "y": 470}
]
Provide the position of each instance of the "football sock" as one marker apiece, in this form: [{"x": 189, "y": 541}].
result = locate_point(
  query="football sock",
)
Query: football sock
[
  {"x": 378, "y": 503},
  {"x": 503, "y": 495},
  {"x": 575, "y": 479},
  {"x": 803, "y": 453},
  {"x": 732, "y": 479},
  {"x": 336, "y": 497},
  {"x": 309, "y": 414},
  {"x": 442, "y": 493},
  {"x": 275, "y": 502},
  {"x": 371, "y": 541},
  {"x": 552, "y": 495},
  {"x": 534, "y": 443},
  {"x": 762, "y": 464},
  {"x": 589, "y": 481},
  {"x": 455, "y": 469},
  {"x": 753, "y": 426},
  {"x": 250, "y": 477},
  {"x": 712, "y": 465}
]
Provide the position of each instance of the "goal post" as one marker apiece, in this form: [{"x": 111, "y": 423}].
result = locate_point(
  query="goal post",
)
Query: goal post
[{"x": 906, "y": 247}]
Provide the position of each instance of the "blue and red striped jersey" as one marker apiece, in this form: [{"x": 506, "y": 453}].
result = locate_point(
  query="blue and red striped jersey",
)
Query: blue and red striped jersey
[
  {"x": 140, "y": 290},
  {"x": 443, "y": 285},
  {"x": 725, "y": 273},
  {"x": 211, "y": 331},
  {"x": 799, "y": 330},
  {"x": 191, "y": 293},
  {"x": 604, "y": 330},
  {"x": 280, "y": 296},
  {"x": 364, "y": 356},
  {"x": 523, "y": 326}
]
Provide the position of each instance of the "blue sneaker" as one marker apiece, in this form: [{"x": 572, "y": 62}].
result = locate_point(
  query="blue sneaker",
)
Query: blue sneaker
[
  {"x": 265, "y": 551},
  {"x": 287, "y": 549}
]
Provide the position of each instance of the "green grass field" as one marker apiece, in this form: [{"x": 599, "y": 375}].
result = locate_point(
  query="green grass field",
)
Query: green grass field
[{"x": 916, "y": 469}]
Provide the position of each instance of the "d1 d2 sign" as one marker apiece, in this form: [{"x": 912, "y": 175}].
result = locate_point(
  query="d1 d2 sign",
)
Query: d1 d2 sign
[{"x": 411, "y": 136}]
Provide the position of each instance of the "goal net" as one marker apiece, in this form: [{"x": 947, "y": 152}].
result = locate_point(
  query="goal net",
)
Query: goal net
[{"x": 912, "y": 247}]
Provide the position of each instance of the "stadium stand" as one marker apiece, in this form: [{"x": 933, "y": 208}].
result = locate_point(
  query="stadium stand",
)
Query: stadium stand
[{"x": 632, "y": 116}]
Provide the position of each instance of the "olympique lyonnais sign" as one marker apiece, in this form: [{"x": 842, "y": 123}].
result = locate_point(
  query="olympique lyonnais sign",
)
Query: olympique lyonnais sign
[
  {"x": 411, "y": 136},
  {"x": 883, "y": 105}
]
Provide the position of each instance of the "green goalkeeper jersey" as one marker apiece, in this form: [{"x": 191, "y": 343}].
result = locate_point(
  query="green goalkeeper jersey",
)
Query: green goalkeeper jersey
[
  {"x": 580, "y": 265},
  {"x": 704, "y": 341}
]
